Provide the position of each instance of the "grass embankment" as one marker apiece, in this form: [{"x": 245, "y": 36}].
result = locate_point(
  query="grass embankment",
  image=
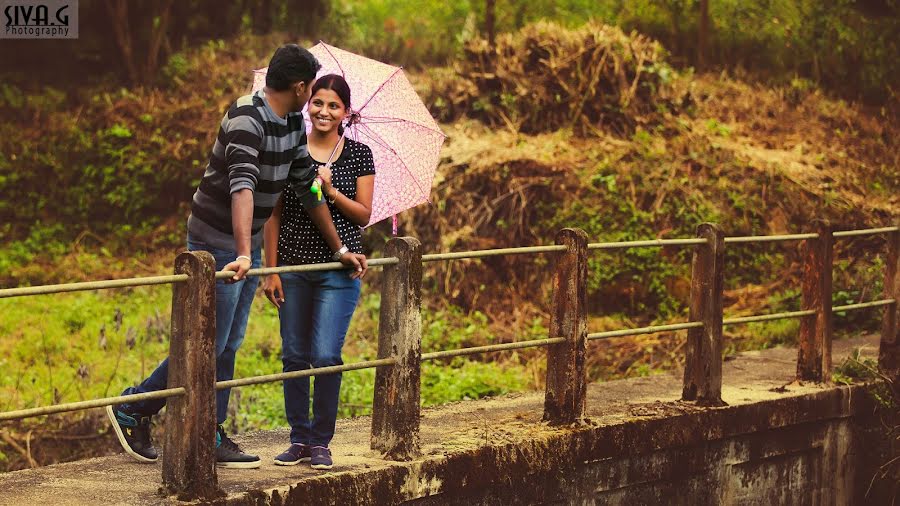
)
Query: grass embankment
[{"x": 651, "y": 154}]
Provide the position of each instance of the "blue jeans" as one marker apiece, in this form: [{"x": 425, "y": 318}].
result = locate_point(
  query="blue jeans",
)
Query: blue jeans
[
  {"x": 233, "y": 302},
  {"x": 314, "y": 318}
]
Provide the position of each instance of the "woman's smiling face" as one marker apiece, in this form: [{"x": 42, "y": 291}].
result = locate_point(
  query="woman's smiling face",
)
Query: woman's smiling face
[{"x": 326, "y": 110}]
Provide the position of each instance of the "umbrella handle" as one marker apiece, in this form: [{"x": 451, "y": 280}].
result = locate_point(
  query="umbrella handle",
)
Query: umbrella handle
[
  {"x": 316, "y": 187},
  {"x": 334, "y": 150}
]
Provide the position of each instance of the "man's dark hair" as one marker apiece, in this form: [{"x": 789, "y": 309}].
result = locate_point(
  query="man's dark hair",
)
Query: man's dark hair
[{"x": 290, "y": 64}]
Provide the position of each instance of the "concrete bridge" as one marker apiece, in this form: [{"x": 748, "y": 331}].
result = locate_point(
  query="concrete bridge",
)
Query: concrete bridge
[
  {"x": 776, "y": 442},
  {"x": 764, "y": 428}
]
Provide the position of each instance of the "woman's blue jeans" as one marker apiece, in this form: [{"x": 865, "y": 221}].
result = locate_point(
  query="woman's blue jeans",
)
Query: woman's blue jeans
[
  {"x": 233, "y": 302},
  {"x": 314, "y": 317}
]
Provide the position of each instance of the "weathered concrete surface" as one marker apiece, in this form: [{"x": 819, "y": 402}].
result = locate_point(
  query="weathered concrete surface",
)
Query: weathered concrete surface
[{"x": 775, "y": 443}]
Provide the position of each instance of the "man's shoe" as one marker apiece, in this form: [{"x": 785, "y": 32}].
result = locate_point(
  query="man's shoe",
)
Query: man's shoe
[
  {"x": 294, "y": 455},
  {"x": 320, "y": 457},
  {"x": 229, "y": 454},
  {"x": 133, "y": 433}
]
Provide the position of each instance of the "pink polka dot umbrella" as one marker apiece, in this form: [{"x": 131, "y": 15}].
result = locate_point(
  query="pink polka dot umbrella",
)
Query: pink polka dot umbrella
[{"x": 404, "y": 138}]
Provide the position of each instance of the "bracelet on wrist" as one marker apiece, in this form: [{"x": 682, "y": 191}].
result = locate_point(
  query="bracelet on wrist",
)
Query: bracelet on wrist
[
  {"x": 244, "y": 256},
  {"x": 339, "y": 253}
]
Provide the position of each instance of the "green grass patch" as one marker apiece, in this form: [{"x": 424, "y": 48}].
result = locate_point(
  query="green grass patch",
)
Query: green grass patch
[{"x": 85, "y": 345}]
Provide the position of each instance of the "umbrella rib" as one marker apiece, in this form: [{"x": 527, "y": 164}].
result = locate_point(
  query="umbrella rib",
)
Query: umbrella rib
[
  {"x": 367, "y": 118},
  {"x": 333, "y": 57},
  {"x": 399, "y": 69},
  {"x": 378, "y": 140},
  {"x": 375, "y": 137},
  {"x": 373, "y": 121}
]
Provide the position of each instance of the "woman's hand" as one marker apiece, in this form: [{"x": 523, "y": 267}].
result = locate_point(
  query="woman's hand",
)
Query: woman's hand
[
  {"x": 273, "y": 290},
  {"x": 325, "y": 176}
]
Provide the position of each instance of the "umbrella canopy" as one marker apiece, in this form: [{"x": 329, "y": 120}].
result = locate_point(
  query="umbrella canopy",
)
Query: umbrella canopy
[{"x": 404, "y": 138}]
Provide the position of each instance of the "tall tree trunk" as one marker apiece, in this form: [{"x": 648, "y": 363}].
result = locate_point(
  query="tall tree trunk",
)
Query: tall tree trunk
[
  {"x": 178, "y": 27},
  {"x": 490, "y": 21},
  {"x": 217, "y": 17},
  {"x": 126, "y": 37},
  {"x": 157, "y": 36},
  {"x": 118, "y": 15},
  {"x": 263, "y": 17},
  {"x": 703, "y": 35}
]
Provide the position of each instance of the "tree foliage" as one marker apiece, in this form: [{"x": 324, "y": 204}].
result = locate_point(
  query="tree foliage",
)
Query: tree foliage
[
  {"x": 849, "y": 46},
  {"x": 129, "y": 41}
]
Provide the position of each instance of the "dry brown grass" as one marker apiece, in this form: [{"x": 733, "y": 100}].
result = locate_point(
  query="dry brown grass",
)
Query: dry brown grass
[{"x": 546, "y": 77}]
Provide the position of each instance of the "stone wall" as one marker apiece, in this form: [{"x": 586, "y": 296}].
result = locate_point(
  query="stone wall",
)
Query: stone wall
[{"x": 794, "y": 450}]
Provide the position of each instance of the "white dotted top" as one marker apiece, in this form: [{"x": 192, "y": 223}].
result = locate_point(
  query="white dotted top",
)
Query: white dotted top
[{"x": 299, "y": 240}]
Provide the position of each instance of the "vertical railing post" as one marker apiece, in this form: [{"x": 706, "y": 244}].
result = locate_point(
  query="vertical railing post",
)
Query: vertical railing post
[
  {"x": 564, "y": 399},
  {"x": 189, "y": 458},
  {"x": 395, "y": 408},
  {"x": 703, "y": 361},
  {"x": 814, "y": 350},
  {"x": 889, "y": 349}
]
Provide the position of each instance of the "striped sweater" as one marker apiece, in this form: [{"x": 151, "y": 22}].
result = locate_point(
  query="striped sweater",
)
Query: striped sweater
[{"x": 255, "y": 149}]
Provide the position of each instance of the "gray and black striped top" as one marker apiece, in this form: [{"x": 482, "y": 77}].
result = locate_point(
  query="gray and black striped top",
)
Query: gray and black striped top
[{"x": 255, "y": 149}]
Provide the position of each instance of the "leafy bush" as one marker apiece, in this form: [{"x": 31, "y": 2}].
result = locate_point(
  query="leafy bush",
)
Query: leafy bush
[
  {"x": 546, "y": 77},
  {"x": 115, "y": 163}
]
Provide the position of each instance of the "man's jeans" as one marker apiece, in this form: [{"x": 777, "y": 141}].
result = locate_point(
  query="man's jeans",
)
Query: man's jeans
[
  {"x": 314, "y": 317},
  {"x": 233, "y": 303}
]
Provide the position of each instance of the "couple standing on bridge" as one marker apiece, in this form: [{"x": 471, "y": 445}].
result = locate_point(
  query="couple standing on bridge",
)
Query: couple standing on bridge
[{"x": 262, "y": 148}]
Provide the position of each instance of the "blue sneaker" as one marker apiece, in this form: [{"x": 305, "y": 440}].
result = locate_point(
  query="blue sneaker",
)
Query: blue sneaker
[
  {"x": 133, "y": 433},
  {"x": 320, "y": 457},
  {"x": 294, "y": 455}
]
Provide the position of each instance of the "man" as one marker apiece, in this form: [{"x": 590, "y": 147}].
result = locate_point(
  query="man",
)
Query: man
[{"x": 260, "y": 149}]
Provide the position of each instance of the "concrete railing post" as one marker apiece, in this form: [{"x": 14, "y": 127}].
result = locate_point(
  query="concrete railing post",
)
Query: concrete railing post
[
  {"x": 189, "y": 456},
  {"x": 814, "y": 349},
  {"x": 889, "y": 349},
  {"x": 703, "y": 361},
  {"x": 395, "y": 408},
  {"x": 564, "y": 399}
]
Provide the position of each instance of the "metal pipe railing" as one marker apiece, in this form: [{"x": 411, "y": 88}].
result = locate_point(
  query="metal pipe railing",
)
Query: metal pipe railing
[
  {"x": 327, "y": 266},
  {"x": 319, "y": 371},
  {"x": 644, "y": 330},
  {"x": 91, "y": 285},
  {"x": 434, "y": 257},
  {"x": 94, "y": 403},
  {"x": 865, "y": 231},
  {"x": 462, "y": 255},
  {"x": 863, "y": 305},
  {"x": 435, "y": 355},
  {"x": 651, "y": 243},
  {"x": 767, "y": 317},
  {"x": 769, "y": 238}
]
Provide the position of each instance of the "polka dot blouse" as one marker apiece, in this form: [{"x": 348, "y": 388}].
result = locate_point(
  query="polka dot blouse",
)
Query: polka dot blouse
[{"x": 299, "y": 240}]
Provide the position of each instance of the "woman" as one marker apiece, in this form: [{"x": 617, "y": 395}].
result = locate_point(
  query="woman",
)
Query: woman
[{"x": 315, "y": 307}]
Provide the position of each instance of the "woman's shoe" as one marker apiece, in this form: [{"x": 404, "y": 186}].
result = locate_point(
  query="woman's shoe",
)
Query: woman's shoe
[
  {"x": 320, "y": 457},
  {"x": 294, "y": 455}
]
